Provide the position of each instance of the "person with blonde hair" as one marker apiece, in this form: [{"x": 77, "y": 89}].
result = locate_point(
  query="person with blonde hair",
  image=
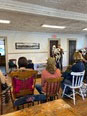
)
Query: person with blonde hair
[
  {"x": 78, "y": 56},
  {"x": 50, "y": 72},
  {"x": 78, "y": 66},
  {"x": 3, "y": 81}
]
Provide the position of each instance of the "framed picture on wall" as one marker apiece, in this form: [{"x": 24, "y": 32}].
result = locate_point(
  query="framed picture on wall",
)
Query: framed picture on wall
[{"x": 22, "y": 45}]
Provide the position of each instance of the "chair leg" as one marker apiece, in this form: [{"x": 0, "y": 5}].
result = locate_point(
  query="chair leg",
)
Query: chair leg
[
  {"x": 64, "y": 91},
  {"x": 1, "y": 105},
  {"x": 81, "y": 94},
  {"x": 32, "y": 103},
  {"x": 12, "y": 99},
  {"x": 57, "y": 96},
  {"x": 23, "y": 106},
  {"x": 74, "y": 96},
  {"x": 6, "y": 97},
  {"x": 18, "y": 108},
  {"x": 38, "y": 102}
]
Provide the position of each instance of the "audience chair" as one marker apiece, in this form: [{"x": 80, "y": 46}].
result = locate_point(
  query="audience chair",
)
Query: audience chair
[
  {"x": 77, "y": 81},
  {"x": 53, "y": 87},
  {"x": 4, "y": 97},
  {"x": 23, "y": 82}
]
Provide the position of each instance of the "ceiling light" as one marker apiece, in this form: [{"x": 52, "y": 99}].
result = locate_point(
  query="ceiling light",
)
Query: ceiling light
[
  {"x": 85, "y": 29},
  {"x": 5, "y": 21},
  {"x": 53, "y": 26}
]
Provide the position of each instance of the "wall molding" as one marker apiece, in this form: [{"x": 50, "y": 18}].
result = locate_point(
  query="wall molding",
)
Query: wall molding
[{"x": 28, "y": 52}]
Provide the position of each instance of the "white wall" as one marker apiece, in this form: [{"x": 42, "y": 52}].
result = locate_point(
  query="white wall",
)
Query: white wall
[
  {"x": 80, "y": 43},
  {"x": 39, "y": 55},
  {"x": 85, "y": 41}
]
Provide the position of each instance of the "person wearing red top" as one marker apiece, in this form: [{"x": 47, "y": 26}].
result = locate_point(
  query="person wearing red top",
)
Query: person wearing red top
[{"x": 50, "y": 72}]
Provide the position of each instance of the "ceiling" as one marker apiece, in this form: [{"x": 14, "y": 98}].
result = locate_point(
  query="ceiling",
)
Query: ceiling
[
  {"x": 69, "y": 5},
  {"x": 29, "y": 15}
]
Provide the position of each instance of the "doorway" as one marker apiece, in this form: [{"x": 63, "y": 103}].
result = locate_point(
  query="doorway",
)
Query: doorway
[
  {"x": 72, "y": 49},
  {"x": 2, "y": 56},
  {"x": 53, "y": 42}
]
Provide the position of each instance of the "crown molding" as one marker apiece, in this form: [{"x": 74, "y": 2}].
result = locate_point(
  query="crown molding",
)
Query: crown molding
[{"x": 40, "y": 10}]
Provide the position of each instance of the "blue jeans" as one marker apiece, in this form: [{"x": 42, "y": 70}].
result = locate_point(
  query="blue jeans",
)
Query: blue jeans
[
  {"x": 29, "y": 98},
  {"x": 66, "y": 81},
  {"x": 39, "y": 88}
]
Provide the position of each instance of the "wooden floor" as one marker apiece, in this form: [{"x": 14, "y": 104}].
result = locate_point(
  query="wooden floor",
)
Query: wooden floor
[{"x": 80, "y": 107}]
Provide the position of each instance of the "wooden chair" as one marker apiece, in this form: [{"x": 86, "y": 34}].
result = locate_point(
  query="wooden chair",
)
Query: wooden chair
[
  {"x": 23, "y": 82},
  {"x": 4, "y": 97},
  {"x": 53, "y": 87}
]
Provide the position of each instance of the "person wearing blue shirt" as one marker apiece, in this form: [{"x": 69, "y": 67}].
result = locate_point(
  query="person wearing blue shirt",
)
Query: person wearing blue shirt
[{"x": 78, "y": 66}]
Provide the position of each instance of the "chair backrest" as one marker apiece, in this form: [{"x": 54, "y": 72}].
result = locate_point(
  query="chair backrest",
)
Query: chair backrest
[
  {"x": 23, "y": 82},
  {"x": 77, "y": 78},
  {"x": 53, "y": 86}
]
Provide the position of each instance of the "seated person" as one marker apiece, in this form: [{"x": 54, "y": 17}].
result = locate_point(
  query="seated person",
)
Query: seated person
[
  {"x": 85, "y": 56},
  {"x": 30, "y": 64},
  {"x": 78, "y": 66},
  {"x": 50, "y": 72},
  {"x": 22, "y": 82},
  {"x": 22, "y": 63},
  {"x": 4, "y": 84},
  {"x": 23, "y": 88},
  {"x": 85, "y": 63}
]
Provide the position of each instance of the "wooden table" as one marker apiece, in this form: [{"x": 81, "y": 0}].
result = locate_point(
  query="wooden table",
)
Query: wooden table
[{"x": 53, "y": 108}]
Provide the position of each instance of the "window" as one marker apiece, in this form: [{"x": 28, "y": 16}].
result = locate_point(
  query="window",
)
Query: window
[{"x": 2, "y": 48}]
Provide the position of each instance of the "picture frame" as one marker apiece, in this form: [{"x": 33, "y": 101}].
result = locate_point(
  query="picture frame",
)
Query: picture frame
[{"x": 25, "y": 45}]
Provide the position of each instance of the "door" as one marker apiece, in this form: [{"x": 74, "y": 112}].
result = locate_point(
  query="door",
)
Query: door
[
  {"x": 72, "y": 49},
  {"x": 53, "y": 42}
]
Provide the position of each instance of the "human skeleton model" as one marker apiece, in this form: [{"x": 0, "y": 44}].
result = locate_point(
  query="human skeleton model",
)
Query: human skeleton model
[{"x": 56, "y": 53}]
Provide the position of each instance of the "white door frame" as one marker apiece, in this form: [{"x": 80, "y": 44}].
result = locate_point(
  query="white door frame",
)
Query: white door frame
[
  {"x": 68, "y": 45},
  {"x": 54, "y": 39},
  {"x": 6, "y": 51}
]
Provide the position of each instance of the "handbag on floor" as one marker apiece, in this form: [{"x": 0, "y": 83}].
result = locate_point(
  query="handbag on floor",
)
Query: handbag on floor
[{"x": 84, "y": 89}]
